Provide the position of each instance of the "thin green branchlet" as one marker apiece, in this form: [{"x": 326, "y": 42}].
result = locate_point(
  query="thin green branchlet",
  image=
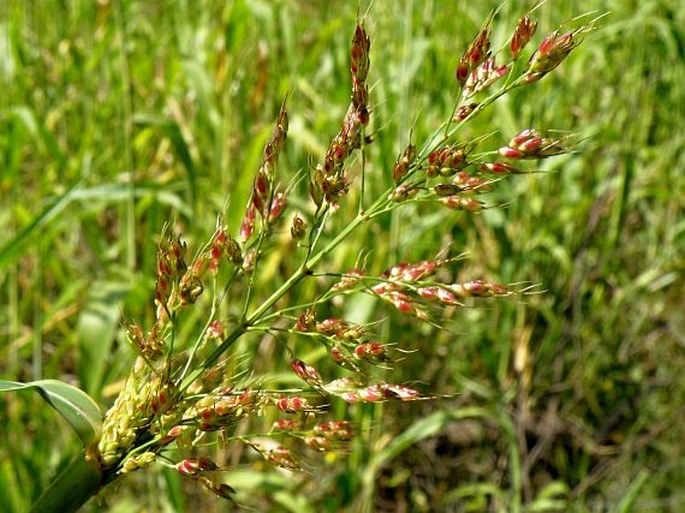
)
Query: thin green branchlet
[{"x": 184, "y": 399}]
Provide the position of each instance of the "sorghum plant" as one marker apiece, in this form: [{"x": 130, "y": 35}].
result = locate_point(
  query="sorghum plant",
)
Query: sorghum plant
[{"x": 182, "y": 394}]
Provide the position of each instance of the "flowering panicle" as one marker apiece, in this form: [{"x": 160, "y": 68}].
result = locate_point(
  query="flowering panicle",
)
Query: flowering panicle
[
  {"x": 264, "y": 200},
  {"x": 329, "y": 180},
  {"x": 184, "y": 398}
]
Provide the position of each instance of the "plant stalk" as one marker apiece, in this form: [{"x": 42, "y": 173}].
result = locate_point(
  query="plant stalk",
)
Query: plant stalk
[{"x": 77, "y": 483}]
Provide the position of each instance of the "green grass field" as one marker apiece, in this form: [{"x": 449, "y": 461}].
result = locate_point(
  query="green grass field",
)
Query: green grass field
[{"x": 119, "y": 116}]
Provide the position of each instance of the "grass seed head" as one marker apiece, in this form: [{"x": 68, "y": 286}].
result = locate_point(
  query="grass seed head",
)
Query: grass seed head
[{"x": 524, "y": 31}]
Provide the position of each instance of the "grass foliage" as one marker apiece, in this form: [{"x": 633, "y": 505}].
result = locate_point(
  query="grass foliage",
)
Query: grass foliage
[{"x": 119, "y": 116}]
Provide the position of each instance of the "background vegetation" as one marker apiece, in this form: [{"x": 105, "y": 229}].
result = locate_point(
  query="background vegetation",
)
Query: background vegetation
[{"x": 119, "y": 116}]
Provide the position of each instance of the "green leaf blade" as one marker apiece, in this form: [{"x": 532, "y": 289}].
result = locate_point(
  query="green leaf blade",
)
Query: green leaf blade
[{"x": 77, "y": 408}]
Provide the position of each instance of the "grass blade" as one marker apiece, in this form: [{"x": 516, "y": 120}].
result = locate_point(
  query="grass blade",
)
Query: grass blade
[{"x": 77, "y": 408}]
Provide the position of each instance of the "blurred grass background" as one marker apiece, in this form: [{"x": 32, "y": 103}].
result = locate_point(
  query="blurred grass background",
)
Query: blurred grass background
[{"x": 119, "y": 116}]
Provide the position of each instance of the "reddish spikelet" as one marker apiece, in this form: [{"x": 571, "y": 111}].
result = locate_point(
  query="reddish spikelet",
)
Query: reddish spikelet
[
  {"x": 331, "y": 326},
  {"x": 338, "y": 355},
  {"x": 411, "y": 272},
  {"x": 446, "y": 161},
  {"x": 151, "y": 346},
  {"x": 359, "y": 53},
  {"x": 402, "y": 392},
  {"x": 170, "y": 268},
  {"x": 441, "y": 294},
  {"x": 164, "y": 399},
  {"x": 276, "y": 455},
  {"x": 498, "y": 168},
  {"x": 222, "y": 245},
  {"x": 318, "y": 443},
  {"x": 264, "y": 180},
  {"x": 285, "y": 425},
  {"x": 371, "y": 350},
  {"x": 483, "y": 77},
  {"x": 464, "y": 111},
  {"x": 195, "y": 466},
  {"x": 174, "y": 433},
  {"x": 337, "y": 328},
  {"x": 298, "y": 229},
  {"x": 524, "y": 31},
  {"x": 371, "y": 394},
  {"x": 532, "y": 144},
  {"x": 278, "y": 204},
  {"x": 466, "y": 182},
  {"x": 216, "y": 251},
  {"x": 306, "y": 372},
  {"x": 306, "y": 321},
  {"x": 476, "y": 53},
  {"x": 479, "y": 288},
  {"x": 219, "y": 409},
  {"x": 511, "y": 153},
  {"x": 403, "y": 192},
  {"x": 215, "y": 330},
  {"x": 293, "y": 404},
  {"x": 379, "y": 393},
  {"x": 551, "y": 52},
  {"x": 467, "y": 203},
  {"x": 349, "y": 280},
  {"x": 402, "y": 165},
  {"x": 247, "y": 226},
  {"x": 340, "y": 430}
]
